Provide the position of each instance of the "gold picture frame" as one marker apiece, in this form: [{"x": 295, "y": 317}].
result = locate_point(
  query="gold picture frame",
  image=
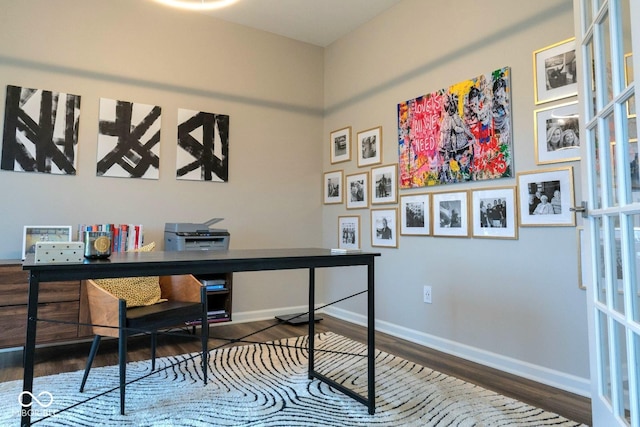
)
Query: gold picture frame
[
  {"x": 554, "y": 71},
  {"x": 340, "y": 145},
  {"x": 553, "y": 190}
]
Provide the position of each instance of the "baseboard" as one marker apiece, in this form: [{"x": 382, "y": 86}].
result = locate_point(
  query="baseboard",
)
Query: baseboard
[
  {"x": 253, "y": 316},
  {"x": 550, "y": 377}
]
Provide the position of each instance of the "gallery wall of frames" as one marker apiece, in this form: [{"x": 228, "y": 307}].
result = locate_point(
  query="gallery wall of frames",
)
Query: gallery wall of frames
[{"x": 456, "y": 136}]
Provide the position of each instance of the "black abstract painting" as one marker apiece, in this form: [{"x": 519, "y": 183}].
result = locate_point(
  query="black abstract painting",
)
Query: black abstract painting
[
  {"x": 128, "y": 140},
  {"x": 40, "y": 131},
  {"x": 203, "y": 146}
]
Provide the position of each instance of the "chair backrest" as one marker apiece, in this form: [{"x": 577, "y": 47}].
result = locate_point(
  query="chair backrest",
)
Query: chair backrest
[{"x": 103, "y": 307}]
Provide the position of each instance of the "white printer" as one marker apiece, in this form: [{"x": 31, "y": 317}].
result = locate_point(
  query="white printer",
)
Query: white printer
[{"x": 185, "y": 236}]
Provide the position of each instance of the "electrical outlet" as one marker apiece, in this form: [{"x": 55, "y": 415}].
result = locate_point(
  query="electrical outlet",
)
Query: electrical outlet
[{"x": 426, "y": 294}]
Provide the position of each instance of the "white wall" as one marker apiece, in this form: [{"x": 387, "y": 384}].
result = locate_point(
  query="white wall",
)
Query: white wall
[
  {"x": 139, "y": 51},
  {"x": 513, "y": 304}
]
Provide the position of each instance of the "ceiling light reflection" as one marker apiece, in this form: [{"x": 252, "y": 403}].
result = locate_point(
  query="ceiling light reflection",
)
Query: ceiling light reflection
[{"x": 197, "y": 4}]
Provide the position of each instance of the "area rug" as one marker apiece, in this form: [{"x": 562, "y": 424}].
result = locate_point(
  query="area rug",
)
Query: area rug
[{"x": 268, "y": 385}]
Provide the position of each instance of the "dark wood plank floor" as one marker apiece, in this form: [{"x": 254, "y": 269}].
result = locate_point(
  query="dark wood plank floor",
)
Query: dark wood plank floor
[{"x": 72, "y": 357}]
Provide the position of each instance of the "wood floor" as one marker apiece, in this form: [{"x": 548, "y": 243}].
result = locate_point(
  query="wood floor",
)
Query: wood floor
[{"x": 72, "y": 357}]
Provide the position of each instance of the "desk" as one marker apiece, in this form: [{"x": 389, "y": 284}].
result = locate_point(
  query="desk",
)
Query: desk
[{"x": 202, "y": 262}]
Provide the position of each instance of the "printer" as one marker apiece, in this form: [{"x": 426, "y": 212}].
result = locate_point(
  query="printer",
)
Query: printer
[{"x": 185, "y": 236}]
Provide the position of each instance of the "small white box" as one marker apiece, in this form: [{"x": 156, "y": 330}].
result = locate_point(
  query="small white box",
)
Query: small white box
[{"x": 59, "y": 252}]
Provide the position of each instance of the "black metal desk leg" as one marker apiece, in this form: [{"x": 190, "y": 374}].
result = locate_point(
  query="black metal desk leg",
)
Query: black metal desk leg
[
  {"x": 30, "y": 349},
  {"x": 371, "y": 334},
  {"x": 312, "y": 304}
]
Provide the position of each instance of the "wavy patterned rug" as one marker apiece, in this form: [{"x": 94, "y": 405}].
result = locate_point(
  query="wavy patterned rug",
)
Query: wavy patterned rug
[{"x": 265, "y": 385}]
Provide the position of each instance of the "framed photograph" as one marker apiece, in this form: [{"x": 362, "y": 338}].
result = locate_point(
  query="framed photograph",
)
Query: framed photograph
[
  {"x": 554, "y": 71},
  {"x": 384, "y": 227},
  {"x": 349, "y": 232},
  {"x": 493, "y": 213},
  {"x": 450, "y": 212},
  {"x": 384, "y": 184},
  {"x": 340, "y": 145},
  {"x": 370, "y": 147},
  {"x": 43, "y": 233},
  {"x": 357, "y": 186},
  {"x": 546, "y": 198},
  {"x": 415, "y": 212},
  {"x": 332, "y": 183},
  {"x": 557, "y": 133}
]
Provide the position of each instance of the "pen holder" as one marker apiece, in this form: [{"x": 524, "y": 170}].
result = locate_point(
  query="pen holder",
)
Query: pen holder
[{"x": 97, "y": 244}]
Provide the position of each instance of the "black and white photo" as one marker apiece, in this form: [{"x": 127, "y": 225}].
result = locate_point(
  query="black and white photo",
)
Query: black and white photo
[
  {"x": 557, "y": 133},
  {"x": 545, "y": 197},
  {"x": 384, "y": 227},
  {"x": 357, "y": 187},
  {"x": 349, "y": 232},
  {"x": 332, "y": 187},
  {"x": 340, "y": 145},
  {"x": 450, "y": 214},
  {"x": 415, "y": 213},
  {"x": 493, "y": 213},
  {"x": 384, "y": 184},
  {"x": 555, "y": 71},
  {"x": 370, "y": 147}
]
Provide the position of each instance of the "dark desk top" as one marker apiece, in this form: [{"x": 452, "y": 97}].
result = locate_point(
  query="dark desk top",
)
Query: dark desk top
[{"x": 161, "y": 263}]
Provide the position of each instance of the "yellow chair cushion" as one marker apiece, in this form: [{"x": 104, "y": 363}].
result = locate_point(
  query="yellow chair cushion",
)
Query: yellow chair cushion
[{"x": 136, "y": 291}]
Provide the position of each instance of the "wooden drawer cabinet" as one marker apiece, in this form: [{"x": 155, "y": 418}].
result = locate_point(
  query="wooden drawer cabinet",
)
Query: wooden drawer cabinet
[
  {"x": 56, "y": 301},
  {"x": 13, "y": 323}
]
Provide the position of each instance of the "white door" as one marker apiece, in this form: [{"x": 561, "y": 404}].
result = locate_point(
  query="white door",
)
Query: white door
[{"x": 607, "y": 33}]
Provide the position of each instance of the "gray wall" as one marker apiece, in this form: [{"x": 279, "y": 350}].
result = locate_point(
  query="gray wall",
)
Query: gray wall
[
  {"x": 514, "y": 304},
  {"x": 139, "y": 51},
  {"x": 510, "y": 304}
]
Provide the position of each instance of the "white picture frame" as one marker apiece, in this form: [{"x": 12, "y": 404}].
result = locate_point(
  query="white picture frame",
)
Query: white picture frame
[
  {"x": 43, "y": 233},
  {"x": 415, "y": 214}
]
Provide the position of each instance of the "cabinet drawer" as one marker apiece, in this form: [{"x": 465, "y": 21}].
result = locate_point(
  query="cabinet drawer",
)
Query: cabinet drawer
[
  {"x": 13, "y": 323},
  {"x": 14, "y": 288}
]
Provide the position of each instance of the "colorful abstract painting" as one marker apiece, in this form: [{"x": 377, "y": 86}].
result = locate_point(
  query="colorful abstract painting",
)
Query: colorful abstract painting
[
  {"x": 128, "y": 140},
  {"x": 203, "y": 146},
  {"x": 40, "y": 131},
  {"x": 458, "y": 134}
]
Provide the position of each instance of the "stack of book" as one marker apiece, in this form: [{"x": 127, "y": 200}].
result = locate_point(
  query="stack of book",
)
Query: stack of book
[
  {"x": 124, "y": 237},
  {"x": 214, "y": 315},
  {"x": 214, "y": 284}
]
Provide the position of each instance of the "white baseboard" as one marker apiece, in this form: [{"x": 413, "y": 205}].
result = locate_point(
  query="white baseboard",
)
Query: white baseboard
[
  {"x": 252, "y": 316},
  {"x": 550, "y": 377}
]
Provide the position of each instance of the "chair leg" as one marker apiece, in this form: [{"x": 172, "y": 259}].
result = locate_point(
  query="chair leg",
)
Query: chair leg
[
  {"x": 92, "y": 354},
  {"x": 122, "y": 352},
  {"x": 154, "y": 340}
]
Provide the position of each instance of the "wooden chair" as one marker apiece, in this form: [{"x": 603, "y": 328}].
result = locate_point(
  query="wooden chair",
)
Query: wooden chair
[{"x": 186, "y": 301}]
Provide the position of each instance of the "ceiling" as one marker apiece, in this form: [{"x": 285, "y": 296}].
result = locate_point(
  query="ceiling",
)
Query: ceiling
[{"x": 319, "y": 22}]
